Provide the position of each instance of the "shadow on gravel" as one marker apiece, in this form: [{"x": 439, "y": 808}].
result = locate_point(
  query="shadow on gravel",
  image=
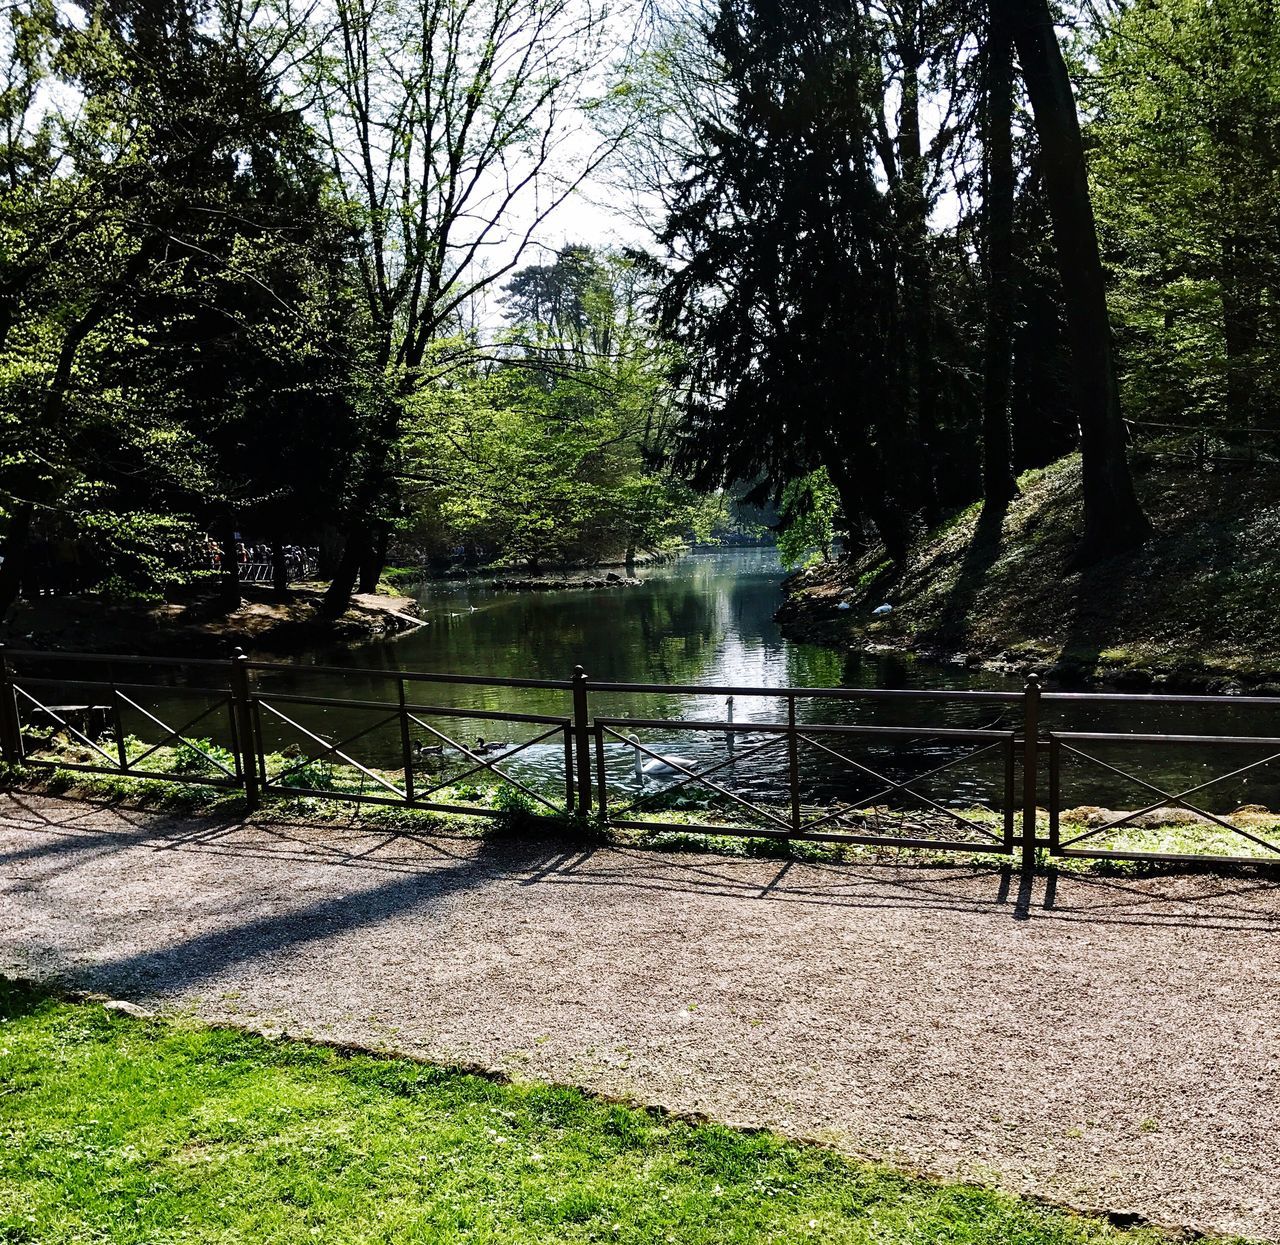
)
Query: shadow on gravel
[
  {"x": 183, "y": 964},
  {"x": 425, "y": 870},
  {"x": 21, "y": 998},
  {"x": 1194, "y": 900}
]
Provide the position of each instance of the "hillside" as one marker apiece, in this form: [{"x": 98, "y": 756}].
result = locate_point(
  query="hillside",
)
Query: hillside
[{"x": 1195, "y": 607}]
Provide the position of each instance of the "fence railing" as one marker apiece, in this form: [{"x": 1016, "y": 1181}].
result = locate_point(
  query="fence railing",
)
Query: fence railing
[
  {"x": 892, "y": 768},
  {"x": 1207, "y": 449},
  {"x": 265, "y": 572}
]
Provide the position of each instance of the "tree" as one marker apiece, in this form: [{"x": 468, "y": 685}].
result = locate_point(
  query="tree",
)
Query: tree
[
  {"x": 807, "y": 520},
  {"x": 551, "y": 451},
  {"x": 454, "y": 128},
  {"x": 1113, "y": 519},
  {"x": 919, "y": 46},
  {"x": 998, "y": 483},
  {"x": 1186, "y": 99},
  {"x": 783, "y": 277},
  {"x": 186, "y": 207}
]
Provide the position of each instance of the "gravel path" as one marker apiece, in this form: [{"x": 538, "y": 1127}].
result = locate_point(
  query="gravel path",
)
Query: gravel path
[{"x": 1107, "y": 1043}]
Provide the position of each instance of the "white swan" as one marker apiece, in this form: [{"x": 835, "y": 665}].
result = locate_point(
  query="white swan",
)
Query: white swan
[
  {"x": 735, "y": 737},
  {"x": 657, "y": 767}
]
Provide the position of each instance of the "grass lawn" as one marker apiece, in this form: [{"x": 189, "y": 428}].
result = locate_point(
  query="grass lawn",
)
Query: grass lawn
[{"x": 116, "y": 1129}]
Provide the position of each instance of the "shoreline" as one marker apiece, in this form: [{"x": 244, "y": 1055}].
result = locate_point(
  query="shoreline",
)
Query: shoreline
[
  {"x": 198, "y": 626},
  {"x": 515, "y": 578},
  {"x": 1190, "y": 609},
  {"x": 801, "y": 625}
]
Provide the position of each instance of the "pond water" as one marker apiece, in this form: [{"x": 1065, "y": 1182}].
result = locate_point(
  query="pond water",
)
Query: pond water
[{"x": 707, "y": 619}]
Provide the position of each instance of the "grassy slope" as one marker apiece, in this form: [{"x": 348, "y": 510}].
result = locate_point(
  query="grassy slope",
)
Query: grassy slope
[
  {"x": 122, "y": 1130},
  {"x": 1196, "y": 605}
]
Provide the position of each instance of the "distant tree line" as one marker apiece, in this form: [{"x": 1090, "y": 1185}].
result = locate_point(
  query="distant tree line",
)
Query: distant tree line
[{"x": 275, "y": 270}]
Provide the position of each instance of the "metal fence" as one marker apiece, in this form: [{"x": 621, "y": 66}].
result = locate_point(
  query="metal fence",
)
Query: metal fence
[
  {"x": 400, "y": 738},
  {"x": 265, "y": 572},
  {"x": 1207, "y": 449}
]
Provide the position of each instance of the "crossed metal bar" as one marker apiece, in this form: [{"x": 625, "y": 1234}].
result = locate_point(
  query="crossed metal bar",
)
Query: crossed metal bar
[
  {"x": 481, "y": 763},
  {"x": 129, "y": 764},
  {"x": 905, "y": 786},
  {"x": 1178, "y": 799},
  {"x": 179, "y": 734},
  {"x": 328, "y": 749},
  {"x": 335, "y": 749},
  {"x": 700, "y": 776},
  {"x": 71, "y": 730}
]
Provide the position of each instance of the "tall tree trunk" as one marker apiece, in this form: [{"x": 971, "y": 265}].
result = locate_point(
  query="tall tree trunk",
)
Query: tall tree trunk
[
  {"x": 365, "y": 548},
  {"x": 850, "y": 505},
  {"x": 914, "y": 225},
  {"x": 354, "y": 553},
  {"x": 1113, "y": 519},
  {"x": 1241, "y": 302},
  {"x": 375, "y": 559},
  {"x": 17, "y": 545},
  {"x": 329, "y": 551},
  {"x": 998, "y": 484}
]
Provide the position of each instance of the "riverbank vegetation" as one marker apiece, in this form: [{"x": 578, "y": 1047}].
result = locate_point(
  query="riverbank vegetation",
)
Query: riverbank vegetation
[
  {"x": 284, "y": 276},
  {"x": 1193, "y": 608},
  {"x": 183, "y": 779}
]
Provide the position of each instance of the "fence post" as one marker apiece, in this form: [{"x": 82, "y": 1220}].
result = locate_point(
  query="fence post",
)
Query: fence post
[
  {"x": 240, "y": 699},
  {"x": 10, "y": 726},
  {"x": 1030, "y": 769},
  {"x": 406, "y": 741},
  {"x": 582, "y": 740},
  {"x": 793, "y": 764}
]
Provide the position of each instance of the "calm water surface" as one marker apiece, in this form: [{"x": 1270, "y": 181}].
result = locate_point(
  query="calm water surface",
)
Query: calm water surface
[{"x": 708, "y": 619}]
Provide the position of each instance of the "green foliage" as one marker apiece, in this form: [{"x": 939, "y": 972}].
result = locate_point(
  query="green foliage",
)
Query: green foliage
[
  {"x": 310, "y": 776},
  {"x": 519, "y": 810},
  {"x": 551, "y": 454},
  {"x": 808, "y": 515},
  {"x": 172, "y": 340},
  {"x": 400, "y": 578},
  {"x": 1187, "y": 185},
  {"x": 129, "y": 1130},
  {"x": 194, "y": 759}
]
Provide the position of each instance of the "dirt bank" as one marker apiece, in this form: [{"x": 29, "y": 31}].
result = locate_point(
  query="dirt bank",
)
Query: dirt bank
[
  {"x": 1193, "y": 608},
  {"x": 200, "y": 625}
]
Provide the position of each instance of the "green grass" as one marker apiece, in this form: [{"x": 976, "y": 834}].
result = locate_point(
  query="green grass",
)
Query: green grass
[
  {"x": 675, "y": 829},
  {"x": 123, "y": 1130}
]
